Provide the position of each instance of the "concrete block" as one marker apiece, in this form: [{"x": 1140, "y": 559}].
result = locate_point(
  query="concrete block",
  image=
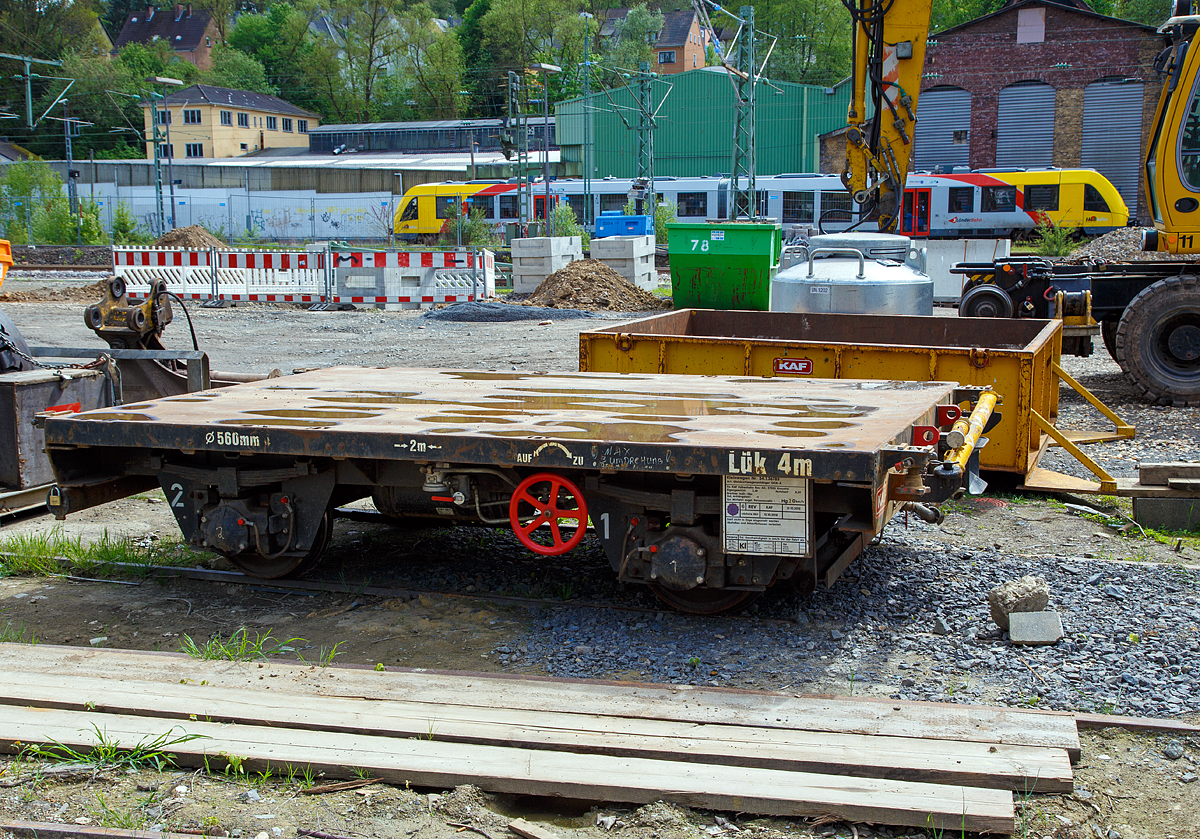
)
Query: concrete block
[
  {"x": 535, "y": 259},
  {"x": 1167, "y": 513},
  {"x": 1034, "y": 628},
  {"x": 942, "y": 254},
  {"x": 630, "y": 256},
  {"x": 1028, "y": 594}
]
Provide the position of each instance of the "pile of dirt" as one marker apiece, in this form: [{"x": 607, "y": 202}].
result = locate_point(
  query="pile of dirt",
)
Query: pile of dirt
[
  {"x": 1122, "y": 245},
  {"x": 194, "y": 238},
  {"x": 591, "y": 285},
  {"x": 70, "y": 294}
]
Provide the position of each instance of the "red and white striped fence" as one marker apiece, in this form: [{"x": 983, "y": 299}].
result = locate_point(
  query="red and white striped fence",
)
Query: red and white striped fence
[{"x": 243, "y": 275}]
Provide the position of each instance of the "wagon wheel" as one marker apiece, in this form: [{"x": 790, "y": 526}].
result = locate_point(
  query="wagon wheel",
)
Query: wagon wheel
[
  {"x": 547, "y": 499},
  {"x": 705, "y": 601},
  {"x": 289, "y": 565}
]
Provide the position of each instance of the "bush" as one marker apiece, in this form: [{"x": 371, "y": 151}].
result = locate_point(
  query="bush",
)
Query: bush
[
  {"x": 54, "y": 224},
  {"x": 125, "y": 230},
  {"x": 1053, "y": 240},
  {"x": 564, "y": 223},
  {"x": 477, "y": 231}
]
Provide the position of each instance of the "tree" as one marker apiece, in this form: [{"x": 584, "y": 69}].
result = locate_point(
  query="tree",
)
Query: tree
[
  {"x": 1149, "y": 12},
  {"x": 523, "y": 32},
  {"x": 480, "y": 61},
  {"x": 434, "y": 60},
  {"x": 49, "y": 28},
  {"x": 814, "y": 40},
  {"x": 362, "y": 44},
  {"x": 235, "y": 69},
  {"x": 281, "y": 41},
  {"x": 632, "y": 43}
]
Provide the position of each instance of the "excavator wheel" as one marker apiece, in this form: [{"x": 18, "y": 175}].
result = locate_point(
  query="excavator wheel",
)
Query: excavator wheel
[
  {"x": 1108, "y": 331},
  {"x": 1158, "y": 341}
]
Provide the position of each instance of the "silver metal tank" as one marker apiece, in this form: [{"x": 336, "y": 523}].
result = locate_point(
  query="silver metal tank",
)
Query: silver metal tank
[{"x": 855, "y": 273}]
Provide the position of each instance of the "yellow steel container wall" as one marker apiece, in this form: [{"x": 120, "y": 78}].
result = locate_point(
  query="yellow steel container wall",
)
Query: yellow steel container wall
[{"x": 1012, "y": 356}]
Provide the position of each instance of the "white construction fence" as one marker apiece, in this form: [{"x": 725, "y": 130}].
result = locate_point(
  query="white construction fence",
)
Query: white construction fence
[{"x": 390, "y": 279}]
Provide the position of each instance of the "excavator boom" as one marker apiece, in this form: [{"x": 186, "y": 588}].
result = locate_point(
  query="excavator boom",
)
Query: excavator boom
[{"x": 889, "y": 57}]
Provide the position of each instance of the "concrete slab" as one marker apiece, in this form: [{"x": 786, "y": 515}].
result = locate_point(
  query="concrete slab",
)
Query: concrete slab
[
  {"x": 1034, "y": 628},
  {"x": 1167, "y": 513}
]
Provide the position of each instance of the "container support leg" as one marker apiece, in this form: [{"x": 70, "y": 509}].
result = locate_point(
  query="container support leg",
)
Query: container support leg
[
  {"x": 1108, "y": 484},
  {"x": 1121, "y": 428}
]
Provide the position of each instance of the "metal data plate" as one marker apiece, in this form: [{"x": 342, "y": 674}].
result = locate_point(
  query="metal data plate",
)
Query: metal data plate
[{"x": 766, "y": 516}]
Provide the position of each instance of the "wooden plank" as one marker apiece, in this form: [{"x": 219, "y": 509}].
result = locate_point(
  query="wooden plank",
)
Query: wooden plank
[
  {"x": 1019, "y": 768},
  {"x": 1158, "y": 474},
  {"x": 530, "y": 831},
  {"x": 1135, "y": 723},
  {"x": 425, "y": 763},
  {"x": 53, "y": 830},
  {"x": 679, "y": 703}
]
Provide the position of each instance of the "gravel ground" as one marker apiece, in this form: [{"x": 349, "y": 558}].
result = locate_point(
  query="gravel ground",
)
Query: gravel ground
[{"x": 908, "y": 620}]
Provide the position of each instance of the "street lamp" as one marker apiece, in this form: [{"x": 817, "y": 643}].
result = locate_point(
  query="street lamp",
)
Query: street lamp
[{"x": 546, "y": 69}]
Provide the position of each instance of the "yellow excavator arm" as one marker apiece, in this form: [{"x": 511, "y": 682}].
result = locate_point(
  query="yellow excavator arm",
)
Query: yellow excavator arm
[{"x": 889, "y": 58}]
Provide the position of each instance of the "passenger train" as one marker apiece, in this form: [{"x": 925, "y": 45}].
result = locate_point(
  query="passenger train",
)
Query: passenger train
[{"x": 976, "y": 204}]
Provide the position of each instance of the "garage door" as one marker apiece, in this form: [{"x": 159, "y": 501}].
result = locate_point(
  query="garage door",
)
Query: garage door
[
  {"x": 943, "y": 134},
  {"x": 1112, "y": 134},
  {"x": 1025, "y": 125}
]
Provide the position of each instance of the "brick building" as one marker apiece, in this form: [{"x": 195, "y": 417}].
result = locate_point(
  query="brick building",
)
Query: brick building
[
  {"x": 1041, "y": 83},
  {"x": 190, "y": 33},
  {"x": 680, "y": 45}
]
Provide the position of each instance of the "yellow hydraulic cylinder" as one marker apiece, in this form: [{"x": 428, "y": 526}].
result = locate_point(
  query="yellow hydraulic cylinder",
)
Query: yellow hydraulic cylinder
[{"x": 970, "y": 432}]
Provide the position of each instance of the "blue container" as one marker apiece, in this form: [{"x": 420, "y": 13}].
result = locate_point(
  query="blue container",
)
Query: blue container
[{"x": 615, "y": 223}]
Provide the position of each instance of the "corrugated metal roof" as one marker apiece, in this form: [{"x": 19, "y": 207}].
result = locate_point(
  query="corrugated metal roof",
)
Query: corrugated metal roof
[{"x": 407, "y": 126}]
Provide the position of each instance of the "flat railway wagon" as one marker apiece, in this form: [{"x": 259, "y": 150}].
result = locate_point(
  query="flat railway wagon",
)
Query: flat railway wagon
[
  {"x": 708, "y": 489},
  {"x": 981, "y": 204}
]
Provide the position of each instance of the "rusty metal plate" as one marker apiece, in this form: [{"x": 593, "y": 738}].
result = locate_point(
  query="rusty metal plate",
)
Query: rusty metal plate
[{"x": 517, "y": 418}]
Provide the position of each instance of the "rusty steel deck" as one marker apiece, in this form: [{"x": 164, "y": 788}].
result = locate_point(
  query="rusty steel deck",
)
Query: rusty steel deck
[{"x": 609, "y": 422}]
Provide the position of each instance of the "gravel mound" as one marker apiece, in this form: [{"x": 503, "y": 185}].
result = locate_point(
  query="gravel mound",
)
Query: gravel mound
[
  {"x": 62, "y": 255},
  {"x": 1123, "y": 245},
  {"x": 591, "y": 285},
  {"x": 483, "y": 312},
  {"x": 194, "y": 237},
  {"x": 71, "y": 294}
]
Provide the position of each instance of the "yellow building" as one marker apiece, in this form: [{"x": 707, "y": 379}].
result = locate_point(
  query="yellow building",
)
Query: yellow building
[{"x": 214, "y": 122}]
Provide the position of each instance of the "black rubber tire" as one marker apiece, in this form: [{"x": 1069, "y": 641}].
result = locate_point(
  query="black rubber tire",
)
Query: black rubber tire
[
  {"x": 254, "y": 565},
  {"x": 705, "y": 601},
  {"x": 1167, "y": 373},
  {"x": 1108, "y": 331}
]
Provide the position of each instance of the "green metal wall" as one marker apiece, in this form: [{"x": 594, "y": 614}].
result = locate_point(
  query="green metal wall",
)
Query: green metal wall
[{"x": 695, "y": 126}]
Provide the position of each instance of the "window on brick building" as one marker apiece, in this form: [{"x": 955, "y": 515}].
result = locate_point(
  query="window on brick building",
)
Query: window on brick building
[
  {"x": 666, "y": 57},
  {"x": 1041, "y": 197},
  {"x": 1031, "y": 25},
  {"x": 962, "y": 199}
]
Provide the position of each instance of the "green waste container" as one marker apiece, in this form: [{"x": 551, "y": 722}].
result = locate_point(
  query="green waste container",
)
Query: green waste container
[{"x": 728, "y": 265}]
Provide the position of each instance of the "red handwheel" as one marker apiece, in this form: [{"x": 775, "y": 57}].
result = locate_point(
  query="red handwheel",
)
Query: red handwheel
[{"x": 549, "y": 499}]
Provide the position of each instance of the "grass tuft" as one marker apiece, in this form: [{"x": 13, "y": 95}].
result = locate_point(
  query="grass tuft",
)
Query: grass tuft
[
  {"x": 237, "y": 647},
  {"x": 107, "y": 752}
]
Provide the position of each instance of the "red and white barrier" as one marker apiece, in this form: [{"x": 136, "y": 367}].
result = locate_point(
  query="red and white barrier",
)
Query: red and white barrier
[{"x": 363, "y": 277}]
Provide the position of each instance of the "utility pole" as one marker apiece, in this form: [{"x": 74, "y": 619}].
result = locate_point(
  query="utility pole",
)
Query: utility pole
[
  {"x": 520, "y": 133},
  {"x": 72, "y": 186},
  {"x": 158, "y": 179},
  {"x": 586, "y": 111},
  {"x": 645, "y": 134},
  {"x": 28, "y": 78},
  {"x": 742, "y": 186}
]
